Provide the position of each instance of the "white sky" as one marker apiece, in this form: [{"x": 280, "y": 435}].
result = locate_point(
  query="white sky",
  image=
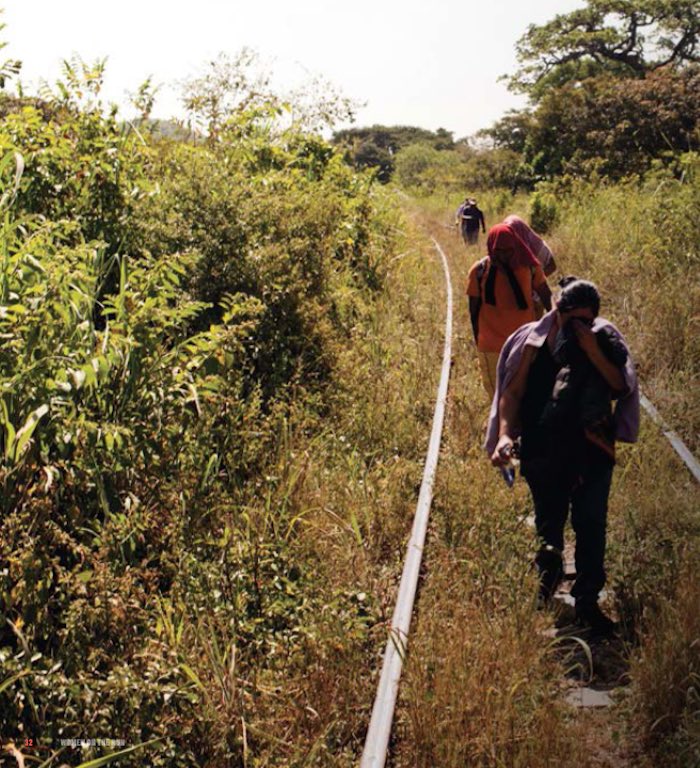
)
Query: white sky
[{"x": 431, "y": 64}]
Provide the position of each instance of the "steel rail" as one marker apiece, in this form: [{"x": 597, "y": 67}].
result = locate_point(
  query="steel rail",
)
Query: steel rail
[
  {"x": 377, "y": 740},
  {"x": 678, "y": 445}
]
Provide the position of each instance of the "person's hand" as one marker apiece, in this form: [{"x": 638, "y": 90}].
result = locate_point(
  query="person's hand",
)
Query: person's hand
[
  {"x": 504, "y": 449},
  {"x": 585, "y": 337}
]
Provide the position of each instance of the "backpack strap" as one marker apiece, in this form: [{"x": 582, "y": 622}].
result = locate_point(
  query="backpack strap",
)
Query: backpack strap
[
  {"x": 480, "y": 272},
  {"x": 515, "y": 287}
]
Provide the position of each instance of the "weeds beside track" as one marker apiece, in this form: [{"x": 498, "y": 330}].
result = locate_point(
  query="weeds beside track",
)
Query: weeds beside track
[
  {"x": 483, "y": 687},
  {"x": 377, "y": 740}
]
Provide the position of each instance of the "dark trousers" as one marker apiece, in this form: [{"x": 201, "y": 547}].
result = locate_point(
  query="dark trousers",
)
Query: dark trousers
[
  {"x": 589, "y": 510},
  {"x": 470, "y": 236}
]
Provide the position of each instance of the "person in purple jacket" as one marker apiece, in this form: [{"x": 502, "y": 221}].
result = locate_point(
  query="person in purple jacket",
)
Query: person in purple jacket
[{"x": 555, "y": 384}]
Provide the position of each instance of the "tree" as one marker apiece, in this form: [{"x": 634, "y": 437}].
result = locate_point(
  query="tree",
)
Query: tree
[
  {"x": 376, "y": 146},
  {"x": 419, "y": 166},
  {"x": 491, "y": 169},
  {"x": 319, "y": 104},
  {"x": 144, "y": 98},
  {"x": 240, "y": 86},
  {"x": 227, "y": 87},
  {"x": 627, "y": 38},
  {"x": 366, "y": 154},
  {"x": 510, "y": 132},
  {"x": 395, "y": 137},
  {"x": 617, "y": 127},
  {"x": 9, "y": 68}
]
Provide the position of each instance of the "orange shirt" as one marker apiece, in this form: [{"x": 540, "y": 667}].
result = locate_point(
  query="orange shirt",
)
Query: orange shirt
[{"x": 496, "y": 323}]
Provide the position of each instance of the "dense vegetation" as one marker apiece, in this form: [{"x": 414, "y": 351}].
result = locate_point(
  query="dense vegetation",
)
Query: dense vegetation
[
  {"x": 218, "y": 352},
  {"x": 174, "y": 317}
]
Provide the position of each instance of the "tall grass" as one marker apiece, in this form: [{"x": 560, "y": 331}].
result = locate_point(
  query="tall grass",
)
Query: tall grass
[
  {"x": 641, "y": 245},
  {"x": 480, "y": 688},
  {"x": 324, "y": 528},
  {"x": 484, "y": 686},
  {"x": 667, "y": 675}
]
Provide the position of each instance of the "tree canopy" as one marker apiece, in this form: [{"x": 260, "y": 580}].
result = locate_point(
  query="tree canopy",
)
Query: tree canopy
[
  {"x": 9, "y": 68},
  {"x": 376, "y": 146},
  {"x": 510, "y": 132},
  {"x": 613, "y": 86},
  {"x": 626, "y": 38},
  {"x": 615, "y": 127}
]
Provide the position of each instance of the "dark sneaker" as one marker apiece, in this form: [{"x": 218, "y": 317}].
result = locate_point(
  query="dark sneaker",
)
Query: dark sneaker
[
  {"x": 590, "y": 616},
  {"x": 550, "y": 567}
]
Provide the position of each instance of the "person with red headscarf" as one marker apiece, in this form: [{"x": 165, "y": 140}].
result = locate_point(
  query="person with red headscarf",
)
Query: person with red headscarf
[
  {"x": 500, "y": 290},
  {"x": 543, "y": 253}
]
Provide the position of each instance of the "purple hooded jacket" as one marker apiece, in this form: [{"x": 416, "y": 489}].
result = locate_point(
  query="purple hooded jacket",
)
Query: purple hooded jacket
[{"x": 626, "y": 414}]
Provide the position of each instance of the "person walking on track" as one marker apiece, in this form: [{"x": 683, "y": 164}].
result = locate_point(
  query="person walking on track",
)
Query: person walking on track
[
  {"x": 556, "y": 381},
  {"x": 469, "y": 218},
  {"x": 500, "y": 289},
  {"x": 543, "y": 253}
]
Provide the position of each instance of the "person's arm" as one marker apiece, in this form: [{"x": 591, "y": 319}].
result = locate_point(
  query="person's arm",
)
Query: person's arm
[
  {"x": 545, "y": 294},
  {"x": 483, "y": 221},
  {"x": 539, "y": 284},
  {"x": 544, "y": 254},
  {"x": 509, "y": 409},
  {"x": 474, "y": 307},
  {"x": 589, "y": 344}
]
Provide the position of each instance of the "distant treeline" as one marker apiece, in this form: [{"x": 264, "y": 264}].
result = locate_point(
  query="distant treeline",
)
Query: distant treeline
[
  {"x": 614, "y": 91},
  {"x": 377, "y": 146},
  {"x": 424, "y": 160}
]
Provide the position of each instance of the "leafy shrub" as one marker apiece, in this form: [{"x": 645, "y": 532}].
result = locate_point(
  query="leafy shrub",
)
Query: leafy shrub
[
  {"x": 79, "y": 165},
  {"x": 164, "y": 307},
  {"x": 543, "y": 212}
]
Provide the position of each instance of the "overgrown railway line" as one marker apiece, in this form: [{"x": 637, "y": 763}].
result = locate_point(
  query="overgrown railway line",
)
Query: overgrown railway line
[
  {"x": 379, "y": 731},
  {"x": 374, "y": 755}
]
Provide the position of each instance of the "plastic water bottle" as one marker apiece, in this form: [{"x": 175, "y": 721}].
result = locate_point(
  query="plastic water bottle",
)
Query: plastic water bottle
[{"x": 508, "y": 473}]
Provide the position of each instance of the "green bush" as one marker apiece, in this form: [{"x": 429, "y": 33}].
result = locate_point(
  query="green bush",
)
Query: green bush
[
  {"x": 544, "y": 212},
  {"x": 164, "y": 307}
]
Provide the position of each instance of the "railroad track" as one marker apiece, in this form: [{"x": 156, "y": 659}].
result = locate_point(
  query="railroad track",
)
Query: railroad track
[
  {"x": 377, "y": 741},
  {"x": 378, "y": 734}
]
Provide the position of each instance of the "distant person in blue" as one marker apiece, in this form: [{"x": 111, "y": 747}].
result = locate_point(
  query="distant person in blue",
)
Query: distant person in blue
[{"x": 469, "y": 218}]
